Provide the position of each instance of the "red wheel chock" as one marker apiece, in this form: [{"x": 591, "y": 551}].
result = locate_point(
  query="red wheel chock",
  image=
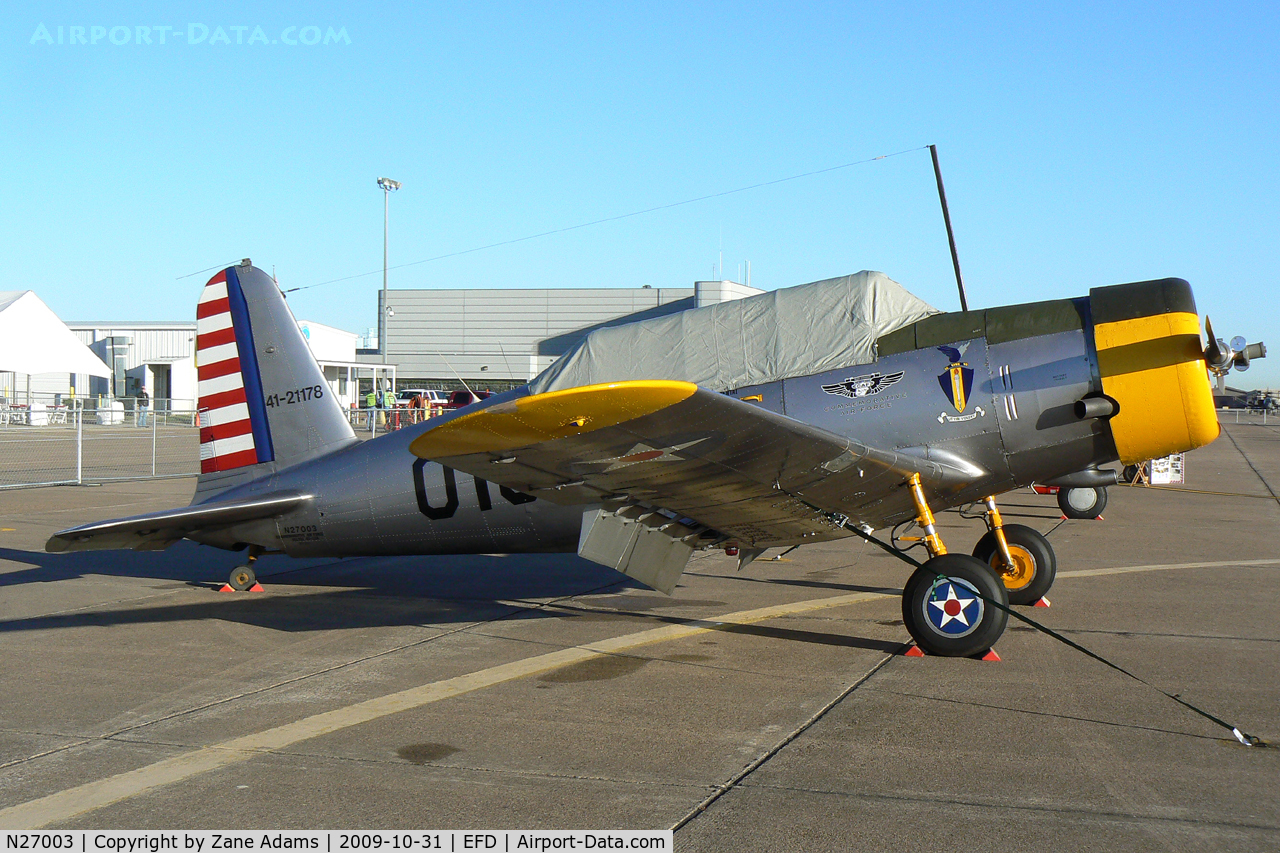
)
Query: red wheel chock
[{"x": 914, "y": 651}]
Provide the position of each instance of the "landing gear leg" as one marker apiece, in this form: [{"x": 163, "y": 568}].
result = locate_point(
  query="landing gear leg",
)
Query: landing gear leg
[
  {"x": 244, "y": 577},
  {"x": 1022, "y": 557},
  {"x": 945, "y": 603}
]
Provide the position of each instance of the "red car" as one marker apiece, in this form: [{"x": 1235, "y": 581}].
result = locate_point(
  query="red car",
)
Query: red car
[{"x": 458, "y": 399}]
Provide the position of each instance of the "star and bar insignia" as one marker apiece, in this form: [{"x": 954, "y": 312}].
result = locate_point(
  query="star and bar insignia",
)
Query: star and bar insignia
[
  {"x": 953, "y": 609},
  {"x": 642, "y": 452}
]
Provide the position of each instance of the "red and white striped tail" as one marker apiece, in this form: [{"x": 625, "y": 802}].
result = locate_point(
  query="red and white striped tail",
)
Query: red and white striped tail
[{"x": 229, "y": 382}]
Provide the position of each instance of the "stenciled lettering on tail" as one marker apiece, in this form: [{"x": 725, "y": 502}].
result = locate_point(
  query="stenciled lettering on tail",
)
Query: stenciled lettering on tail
[{"x": 233, "y": 423}]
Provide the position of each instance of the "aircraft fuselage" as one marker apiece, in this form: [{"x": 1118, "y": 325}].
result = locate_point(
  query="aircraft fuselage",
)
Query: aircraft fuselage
[{"x": 990, "y": 394}]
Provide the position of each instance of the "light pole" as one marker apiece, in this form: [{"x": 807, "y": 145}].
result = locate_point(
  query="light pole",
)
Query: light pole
[{"x": 388, "y": 187}]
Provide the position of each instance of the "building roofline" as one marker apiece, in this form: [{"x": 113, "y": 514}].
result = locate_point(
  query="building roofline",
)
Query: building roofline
[{"x": 135, "y": 324}]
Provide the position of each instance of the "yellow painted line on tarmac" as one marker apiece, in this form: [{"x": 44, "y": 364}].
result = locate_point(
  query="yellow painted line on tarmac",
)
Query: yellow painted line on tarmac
[
  {"x": 94, "y": 795},
  {"x": 1199, "y": 491},
  {"x": 1124, "y": 570},
  {"x": 66, "y": 804}
]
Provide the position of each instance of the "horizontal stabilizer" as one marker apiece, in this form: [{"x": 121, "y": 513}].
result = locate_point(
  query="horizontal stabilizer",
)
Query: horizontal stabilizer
[{"x": 155, "y": 531}]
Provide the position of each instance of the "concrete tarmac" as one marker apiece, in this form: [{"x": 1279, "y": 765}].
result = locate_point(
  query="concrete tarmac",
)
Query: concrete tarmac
[{"x": 768, "y": 709}]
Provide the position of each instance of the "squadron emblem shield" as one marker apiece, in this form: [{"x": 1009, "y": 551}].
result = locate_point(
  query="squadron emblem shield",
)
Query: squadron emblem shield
[
  {"x": 953, "y": 608},
  {"x": 957, "y": 379}
]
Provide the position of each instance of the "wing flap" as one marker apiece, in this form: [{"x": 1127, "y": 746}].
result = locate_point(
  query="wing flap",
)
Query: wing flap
[
  {"x": 745, "y": 471},
  {"x": 155, "y": 531},
  {"x": 653, "y": 551}
]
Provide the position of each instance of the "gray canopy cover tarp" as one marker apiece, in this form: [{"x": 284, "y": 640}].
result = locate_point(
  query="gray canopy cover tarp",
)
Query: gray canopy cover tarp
[{"x": 795, "y": 331}]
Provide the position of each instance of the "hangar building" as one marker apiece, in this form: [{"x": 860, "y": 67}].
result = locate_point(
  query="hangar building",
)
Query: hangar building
[
  {"x": 501, "y": 338},
  {"x": 496, "y": 338},
  {"x": 161, "y": 357}
]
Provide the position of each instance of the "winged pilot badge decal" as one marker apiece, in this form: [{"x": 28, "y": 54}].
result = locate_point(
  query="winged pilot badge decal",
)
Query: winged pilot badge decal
[{"x": 863, "y": 386}]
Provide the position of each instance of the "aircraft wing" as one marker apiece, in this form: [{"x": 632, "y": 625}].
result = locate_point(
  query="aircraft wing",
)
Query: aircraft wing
[
  {"x": 750, "y": 474},
  {"x": 155, "y": 531}
]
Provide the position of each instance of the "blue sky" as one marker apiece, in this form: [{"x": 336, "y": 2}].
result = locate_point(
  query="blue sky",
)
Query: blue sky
[{"x": 1081, "y": 146}]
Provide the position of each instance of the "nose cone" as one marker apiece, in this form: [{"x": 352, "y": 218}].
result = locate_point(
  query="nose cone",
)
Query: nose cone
[{"x": 1151, "y": 361}]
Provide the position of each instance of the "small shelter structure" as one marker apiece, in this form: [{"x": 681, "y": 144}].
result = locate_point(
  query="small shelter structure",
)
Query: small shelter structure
[{"x": 34, "y": 341}]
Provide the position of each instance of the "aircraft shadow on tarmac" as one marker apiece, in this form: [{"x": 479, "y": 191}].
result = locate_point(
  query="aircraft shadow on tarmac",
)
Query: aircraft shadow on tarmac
[
  {"x": 466, "y": 576},
  {"x": 374, "y": 592},
  {"x": 357, "y": 593}
]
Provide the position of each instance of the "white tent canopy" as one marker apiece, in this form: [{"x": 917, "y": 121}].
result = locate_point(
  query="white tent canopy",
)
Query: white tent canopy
[
  {"x": 33, "y": 340},
  {"x": 793, "y": 331}
]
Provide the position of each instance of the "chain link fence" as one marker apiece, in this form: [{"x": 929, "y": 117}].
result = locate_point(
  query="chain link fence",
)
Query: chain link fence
[
  {"x": 369, "y": 423},
  {"x": 57, "y": 442},
  {"x": 73, "y": 442},
  {"x": 1259, "y": 416}
]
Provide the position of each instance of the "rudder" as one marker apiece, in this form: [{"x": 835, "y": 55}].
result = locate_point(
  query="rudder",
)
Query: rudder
[{"x": 264, "y": 403}]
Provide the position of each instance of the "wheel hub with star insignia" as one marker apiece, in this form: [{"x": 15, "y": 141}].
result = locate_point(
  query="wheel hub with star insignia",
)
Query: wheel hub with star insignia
[{"x": 949, "y": 606}]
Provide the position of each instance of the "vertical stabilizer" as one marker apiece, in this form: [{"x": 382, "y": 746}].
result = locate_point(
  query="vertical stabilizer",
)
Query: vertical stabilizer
[{"x": 264, "y": 403}]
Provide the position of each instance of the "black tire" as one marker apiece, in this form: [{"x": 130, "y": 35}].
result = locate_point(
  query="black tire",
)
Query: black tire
[
  {"x": 1082, "y": 503},
  {"x": 1129, "y": 474},
  {"x": 1036, "y": 564},
  {"x": 971, "y": 625},
  {"x": 242, "y": 577}
]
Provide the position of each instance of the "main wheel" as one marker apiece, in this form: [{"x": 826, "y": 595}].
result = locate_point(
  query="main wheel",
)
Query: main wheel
[
  {"x": 946, "y": 608},
  {"x": 242, "y": 577},
  {"x": 1034, "y": 563},
  {"x": 1082, "y": 503}
]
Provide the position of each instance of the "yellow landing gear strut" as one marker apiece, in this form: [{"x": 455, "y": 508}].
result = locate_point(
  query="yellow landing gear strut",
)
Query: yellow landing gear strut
[
  {"x": 1012, "y": 568},
  {"x": 924, "y": 518}
]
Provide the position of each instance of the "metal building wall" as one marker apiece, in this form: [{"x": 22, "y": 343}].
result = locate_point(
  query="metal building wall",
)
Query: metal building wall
[
  {"x": 149, "y": 343},
  {"x": 506, "y": 334}
]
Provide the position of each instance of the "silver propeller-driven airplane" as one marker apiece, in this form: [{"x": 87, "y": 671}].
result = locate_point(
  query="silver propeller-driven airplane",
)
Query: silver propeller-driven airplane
[{"x": 803, "y": 415}]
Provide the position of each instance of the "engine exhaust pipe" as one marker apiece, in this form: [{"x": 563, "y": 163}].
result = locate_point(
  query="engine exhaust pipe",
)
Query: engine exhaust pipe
[
  {"x": 1096, "y": 407},
  {"x": 1087, "y": 479}
]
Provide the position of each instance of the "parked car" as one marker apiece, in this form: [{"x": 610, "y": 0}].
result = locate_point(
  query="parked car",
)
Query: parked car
[
  {"x": 458, "y": 399},
  {"x": 430, "y": 396}
]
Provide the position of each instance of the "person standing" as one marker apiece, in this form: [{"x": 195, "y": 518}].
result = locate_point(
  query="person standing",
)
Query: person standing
[{"x": 144, "y": 405}]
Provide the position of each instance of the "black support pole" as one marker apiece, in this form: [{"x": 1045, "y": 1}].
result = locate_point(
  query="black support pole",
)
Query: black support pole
[{"x": 946, "y": 218}]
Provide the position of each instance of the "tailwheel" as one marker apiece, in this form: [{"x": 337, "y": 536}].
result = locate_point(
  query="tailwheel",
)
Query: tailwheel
[
  {"x": 1082, "y": 503},
  {"x": 945, "y": 606},
  {"x": 1034, "y": 564},
  {"x": 242, "y": 577}
]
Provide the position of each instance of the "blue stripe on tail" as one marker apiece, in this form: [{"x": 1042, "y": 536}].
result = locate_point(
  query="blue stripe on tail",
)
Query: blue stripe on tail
[{"x": 249, "y": 368}]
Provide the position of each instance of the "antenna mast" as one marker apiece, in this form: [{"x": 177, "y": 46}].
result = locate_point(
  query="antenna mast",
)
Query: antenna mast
[{"x": 946, "y": 218}]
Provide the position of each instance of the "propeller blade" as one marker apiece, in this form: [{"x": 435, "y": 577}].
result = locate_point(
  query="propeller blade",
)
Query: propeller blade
[{"x": 1216, "y": 354}]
